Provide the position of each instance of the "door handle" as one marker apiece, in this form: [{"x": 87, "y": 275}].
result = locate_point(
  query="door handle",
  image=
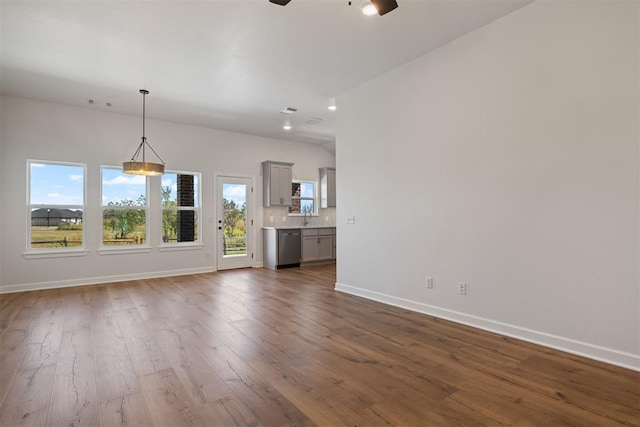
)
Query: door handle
[{"x": 219, "y": 228}]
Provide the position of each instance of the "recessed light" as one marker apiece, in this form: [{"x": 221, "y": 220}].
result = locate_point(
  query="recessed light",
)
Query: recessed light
[
  {"x": 332, "y": 107},
  {"x": 332, "y": 104},
  {"x": 286, "y": 126},
  {"x": 289, "y": 110},
  {"x": 369, "y": 9}
]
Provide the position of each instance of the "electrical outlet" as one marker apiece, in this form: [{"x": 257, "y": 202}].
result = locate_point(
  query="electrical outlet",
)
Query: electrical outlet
[
  {"x": 462, "y": 288},
  {"x": 429, "y": 282}
]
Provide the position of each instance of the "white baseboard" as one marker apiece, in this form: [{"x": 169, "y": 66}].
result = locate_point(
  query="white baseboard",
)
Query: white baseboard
[
  {"x": 101, "y": 280},
  {"x": 591, "y": 351}
]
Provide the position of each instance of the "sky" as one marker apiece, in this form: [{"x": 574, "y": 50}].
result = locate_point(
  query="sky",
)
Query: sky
[
  {"x": 235, "y": 192},
  {"x": 117, "y": 186},
  {"x": 306, "y": 189},
  {"x": 171, "y": 180},
  {"x": 57, "y": 184},
  {"x": 60, "y": 184}
]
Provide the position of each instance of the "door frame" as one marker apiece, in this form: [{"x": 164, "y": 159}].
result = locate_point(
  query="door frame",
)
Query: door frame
[{"x": 237, "y": 262}]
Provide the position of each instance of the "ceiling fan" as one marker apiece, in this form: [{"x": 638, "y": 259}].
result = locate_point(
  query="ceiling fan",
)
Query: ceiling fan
[{"x": 382, "y": 6}]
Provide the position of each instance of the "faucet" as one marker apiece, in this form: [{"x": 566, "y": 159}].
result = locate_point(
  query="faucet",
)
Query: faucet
[{"x": 305, "y": 222}]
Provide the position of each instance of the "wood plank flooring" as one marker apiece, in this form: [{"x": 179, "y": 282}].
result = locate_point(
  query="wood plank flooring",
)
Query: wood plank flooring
[{"x": 257, "y": 347}]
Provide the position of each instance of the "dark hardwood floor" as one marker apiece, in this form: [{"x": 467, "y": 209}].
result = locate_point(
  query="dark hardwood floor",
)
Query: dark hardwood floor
[{"x": 259, "y": 347}]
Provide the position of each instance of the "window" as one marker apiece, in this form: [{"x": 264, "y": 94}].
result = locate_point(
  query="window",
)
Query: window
[
  {"x": 303, "y": 198},
  {"x": 56, "y": 205},
  {"x": 180, "y": 207},
  {"x": 124, "y": 208}
]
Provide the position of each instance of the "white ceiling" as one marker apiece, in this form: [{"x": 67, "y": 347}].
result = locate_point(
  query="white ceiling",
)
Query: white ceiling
[{"x": 225, "y": 64}]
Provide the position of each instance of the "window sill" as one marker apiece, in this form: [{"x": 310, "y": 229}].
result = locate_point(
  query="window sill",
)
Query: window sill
[
  {"x": 56, "y": 254},
  {"x": 123, "y": 250},
  {"x": 180, "y": 247},
  {"x": 301, "y": 215}
]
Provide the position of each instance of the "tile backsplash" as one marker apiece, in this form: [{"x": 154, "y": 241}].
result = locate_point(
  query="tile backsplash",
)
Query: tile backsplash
[{"x": 274, "y": 217}]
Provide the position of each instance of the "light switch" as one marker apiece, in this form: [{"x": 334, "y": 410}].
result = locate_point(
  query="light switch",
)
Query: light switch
[{"x": 351, "y": 220}]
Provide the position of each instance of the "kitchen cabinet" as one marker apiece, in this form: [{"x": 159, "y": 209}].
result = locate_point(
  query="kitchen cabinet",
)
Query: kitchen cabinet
[
  {"x": 317, "y": 244},
  {"x": 327, "y": 187},
  {"x": 276, "y": 179}
]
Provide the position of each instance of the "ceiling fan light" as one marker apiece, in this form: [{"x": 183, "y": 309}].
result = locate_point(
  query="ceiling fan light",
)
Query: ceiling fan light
[
  {"x": 368, "y": 9},
  {"x": 384, "y": 6}
]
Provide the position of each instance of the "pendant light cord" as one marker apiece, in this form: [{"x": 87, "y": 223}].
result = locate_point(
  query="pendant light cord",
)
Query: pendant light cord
[
  {"x": 144, "y": 139},
  {"x": 144, "y": 104},
  {"x": 144, "y": 142}
]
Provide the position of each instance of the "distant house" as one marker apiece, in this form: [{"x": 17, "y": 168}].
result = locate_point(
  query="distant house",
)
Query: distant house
[{"x": 54, "y": 217}]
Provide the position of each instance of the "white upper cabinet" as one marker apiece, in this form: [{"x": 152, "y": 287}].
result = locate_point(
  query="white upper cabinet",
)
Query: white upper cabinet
[
  {"x": 276, "y": 183},
  {"x": 327, "y": 187}
]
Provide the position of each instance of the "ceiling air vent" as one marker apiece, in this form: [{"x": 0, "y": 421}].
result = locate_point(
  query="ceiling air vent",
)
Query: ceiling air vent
[
  {"x": 313, "y": 120},
  {"x": 289, "y": 110}
]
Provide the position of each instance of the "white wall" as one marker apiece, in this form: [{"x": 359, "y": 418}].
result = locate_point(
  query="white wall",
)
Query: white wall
[
  {"x": 45, "y": 131},
  {"x": 508, "y": 159},
  {"x": 2, "y": 167}
]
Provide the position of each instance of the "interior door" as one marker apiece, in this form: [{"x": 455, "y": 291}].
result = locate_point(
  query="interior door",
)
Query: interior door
[{"x": 235, "y": 222}]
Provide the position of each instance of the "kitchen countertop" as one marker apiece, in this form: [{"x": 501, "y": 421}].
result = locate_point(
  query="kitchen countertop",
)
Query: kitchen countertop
[{"x": 296, "y": 227}]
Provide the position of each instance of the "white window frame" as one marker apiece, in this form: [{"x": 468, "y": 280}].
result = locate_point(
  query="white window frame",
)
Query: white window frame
[
  {"x": 314, "y": 198},
  {"x": 62, "y": 251},
  {"x": 123, "y": 249},
  {"x": 197, "y": 209}
]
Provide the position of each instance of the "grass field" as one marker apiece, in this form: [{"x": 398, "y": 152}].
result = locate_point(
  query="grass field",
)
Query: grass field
[{"x": 53, "y": 237}]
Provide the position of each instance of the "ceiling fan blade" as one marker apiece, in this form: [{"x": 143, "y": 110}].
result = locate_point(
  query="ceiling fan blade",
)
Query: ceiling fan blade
[
  {"x": 384, "y": 6},
  {"x": 280, "y": 2}
]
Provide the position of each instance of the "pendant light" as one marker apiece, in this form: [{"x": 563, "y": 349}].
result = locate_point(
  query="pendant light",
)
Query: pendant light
[{"x": 136, "y": 167}]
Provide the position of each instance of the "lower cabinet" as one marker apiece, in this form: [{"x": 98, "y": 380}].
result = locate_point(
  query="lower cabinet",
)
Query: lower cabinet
[
  {"x": 325, "y": 247},
  {"x": 317, "y": 244}
]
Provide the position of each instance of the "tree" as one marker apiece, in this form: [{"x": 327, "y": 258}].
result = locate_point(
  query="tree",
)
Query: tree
[
  {"x": 124, "y": 221},
  {"x": 169, "y": 217},
  {"x": 232, "y": 214}
]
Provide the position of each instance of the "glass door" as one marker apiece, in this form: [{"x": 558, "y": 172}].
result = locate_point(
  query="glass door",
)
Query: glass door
[{"x": 235, "y": 222}]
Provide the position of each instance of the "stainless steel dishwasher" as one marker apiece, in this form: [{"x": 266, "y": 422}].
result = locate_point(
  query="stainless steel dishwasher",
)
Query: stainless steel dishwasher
[{"x": 289, "y": 248}]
